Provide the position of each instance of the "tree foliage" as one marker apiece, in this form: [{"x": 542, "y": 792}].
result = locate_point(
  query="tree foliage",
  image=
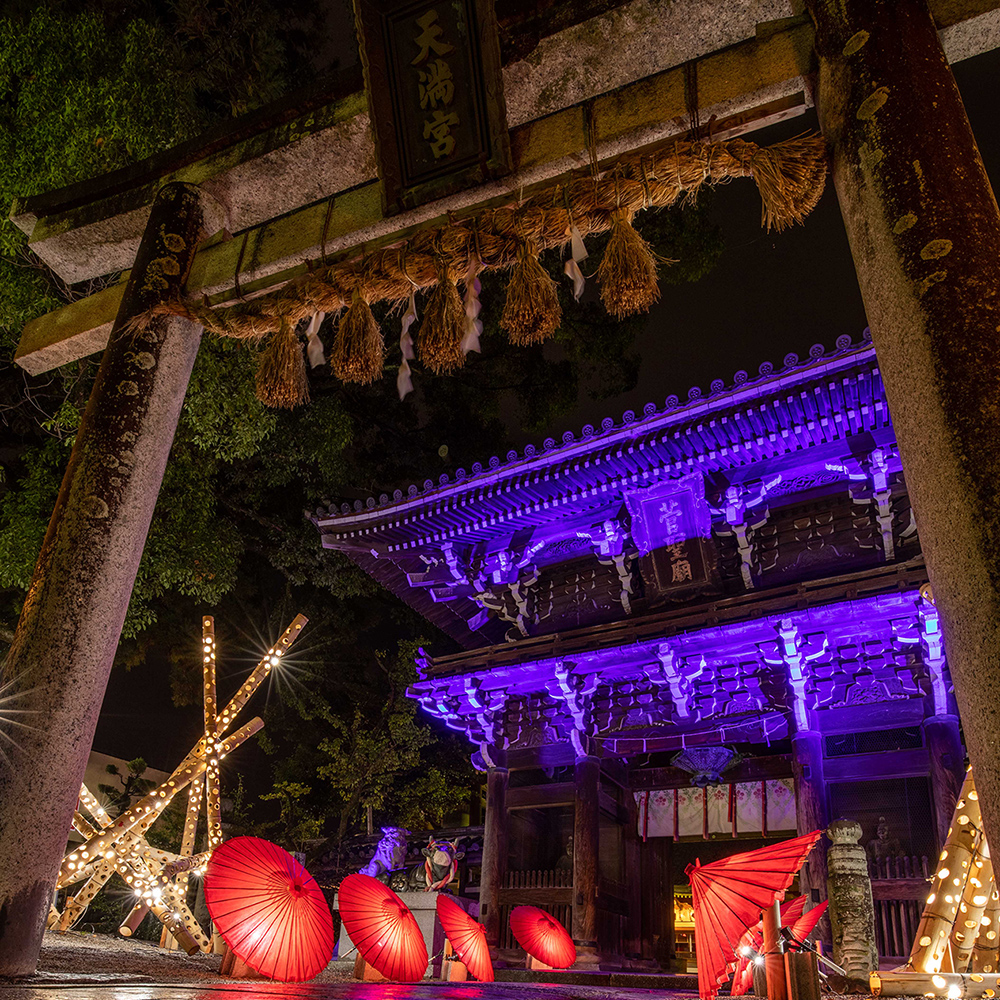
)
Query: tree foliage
[{"x": 89, "y": 87}]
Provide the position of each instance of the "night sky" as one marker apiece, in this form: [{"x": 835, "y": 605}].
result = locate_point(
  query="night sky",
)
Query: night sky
[{"x": 771, "y": 294}]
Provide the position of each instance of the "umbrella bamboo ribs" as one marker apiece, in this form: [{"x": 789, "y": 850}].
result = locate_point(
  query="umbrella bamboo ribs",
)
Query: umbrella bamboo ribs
[{"x": 159, "y": 878}]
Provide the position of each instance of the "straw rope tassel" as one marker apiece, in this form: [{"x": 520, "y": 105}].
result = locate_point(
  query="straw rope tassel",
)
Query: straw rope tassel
[
  {"x": 627, "y": 271},
  {"x": 281, "y": 370},
  {"x": 358, "y": 346},
  {"x": 532, "y": 312},
  {"x": 789, "y": 175},
  {"x": 440, "y": 339}
]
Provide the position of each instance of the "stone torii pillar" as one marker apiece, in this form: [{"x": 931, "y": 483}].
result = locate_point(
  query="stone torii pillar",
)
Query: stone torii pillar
[
  {"x": 57, "y": 668},
  {"x": 924, "y": 231}
]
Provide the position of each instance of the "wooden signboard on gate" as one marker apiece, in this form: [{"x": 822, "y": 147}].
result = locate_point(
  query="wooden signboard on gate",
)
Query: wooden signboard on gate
[{"x": 435, "y": 96}]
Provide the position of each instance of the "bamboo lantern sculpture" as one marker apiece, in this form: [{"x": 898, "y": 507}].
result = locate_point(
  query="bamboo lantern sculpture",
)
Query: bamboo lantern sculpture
[
  {"x": 954, "y": 954},
  {"x": 931, "y": 951},
  {"x": 159, "y": 878}
]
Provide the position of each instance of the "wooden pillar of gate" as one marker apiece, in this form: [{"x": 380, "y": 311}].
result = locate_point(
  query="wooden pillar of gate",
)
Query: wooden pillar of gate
[
  {"x": 57, "y": 667},
  {"x": 947, "y": 769},
  {"x": 494, "y": 856},
  {"x": 633, "y": 881},
  {"x": 586, "y": 835},
  {"x": 811, "y": 814},
  {"x": 924, "y": 231}
]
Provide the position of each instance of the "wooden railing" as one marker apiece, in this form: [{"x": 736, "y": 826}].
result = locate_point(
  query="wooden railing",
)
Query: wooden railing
[
  {"x": 550, "y": 878},
  {"x": 551, "y": 889},
  {"x": 899, "y": 889}
]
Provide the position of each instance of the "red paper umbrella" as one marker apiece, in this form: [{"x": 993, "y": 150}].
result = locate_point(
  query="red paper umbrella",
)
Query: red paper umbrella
[
  {"x": 467, "y": 937},
  {"x": 801, "y": 928},
  {"x": 729, "y": 896},
  {"x": 791, "y": 910},
  {"x": 269, "y": 909},
  {"x": 542, "y": 936},
  {"x": 382, "y": 928}
]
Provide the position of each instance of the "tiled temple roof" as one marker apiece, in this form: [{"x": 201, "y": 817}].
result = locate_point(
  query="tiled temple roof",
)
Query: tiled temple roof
[
  {"x": 751, "y": 420},
  {"x": 801, "y": 430}
]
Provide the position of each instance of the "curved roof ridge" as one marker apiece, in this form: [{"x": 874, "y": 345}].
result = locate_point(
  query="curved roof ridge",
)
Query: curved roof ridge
[{"x": 818, "y": 355}]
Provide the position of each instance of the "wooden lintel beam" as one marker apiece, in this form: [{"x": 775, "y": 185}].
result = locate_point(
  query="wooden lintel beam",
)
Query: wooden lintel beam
[
  {"x": 750, "y": 769},
  {"x": 560, "y": 793},
  {"x": 744, "y": 87}
]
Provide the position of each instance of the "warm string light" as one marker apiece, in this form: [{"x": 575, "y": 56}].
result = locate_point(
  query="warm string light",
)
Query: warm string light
[{"x": 158, "y": 879}]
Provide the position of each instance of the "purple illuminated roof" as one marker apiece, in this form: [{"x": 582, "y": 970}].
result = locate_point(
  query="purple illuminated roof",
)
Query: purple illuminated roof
[
  {"x": 732, "y": 427},
  {"x": 705, "y": 497}
]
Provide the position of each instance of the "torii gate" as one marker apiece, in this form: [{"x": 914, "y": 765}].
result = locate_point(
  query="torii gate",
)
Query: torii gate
[{"x": 303, "y": 188}]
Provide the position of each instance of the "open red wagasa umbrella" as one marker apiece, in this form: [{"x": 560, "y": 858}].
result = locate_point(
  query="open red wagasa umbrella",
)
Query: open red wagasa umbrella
[
  {"x": 728, "y": 897},
  {"x": 269, "y": 909},
  {"x": 382, "y": 928},
  {"x": 542, "y": 936},
  {"x": 467, "y": 937},
  {"x": 752, "y": 941},
  {"x": 801, "y": 929}
]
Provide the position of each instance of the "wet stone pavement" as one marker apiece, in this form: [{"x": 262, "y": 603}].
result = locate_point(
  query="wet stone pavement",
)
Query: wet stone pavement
[{"x": 49, "y": 987}]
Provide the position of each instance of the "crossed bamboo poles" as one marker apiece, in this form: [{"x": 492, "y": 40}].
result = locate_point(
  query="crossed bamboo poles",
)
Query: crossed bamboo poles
[{"x": 118, "y": 844}]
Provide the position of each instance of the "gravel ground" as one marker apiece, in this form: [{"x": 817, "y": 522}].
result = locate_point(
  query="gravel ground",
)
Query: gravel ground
[{"x": 88, "y": 955}]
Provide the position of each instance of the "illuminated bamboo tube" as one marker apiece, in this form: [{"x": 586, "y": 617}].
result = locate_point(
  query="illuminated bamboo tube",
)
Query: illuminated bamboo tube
[
  {"x": 271, "y": 659},
  {"x": 53, "y": 918},
  {"x": 953, "y": 867},
  {"x": 77, "y": 905},
  {"x": 81, "y": 825},
  {"x": 985, "y": 951},
  {"x": 950, "y": 985},
  {"x": 131, "y": 923},
  {"x": 89, "y": 801},
  {"x": 189, "y": 837},
  {"x": 165, "y": 905},
  {"x": 182, "y": 866},
  {"x": 151, "y": 804},
  {"x": 208, "y": 662},
  {"x": 141, "y": 816},
  {"x": 147, "y": 808},
  {"x": 213, "y": 794},
  {"x": 968, "y": 925}
]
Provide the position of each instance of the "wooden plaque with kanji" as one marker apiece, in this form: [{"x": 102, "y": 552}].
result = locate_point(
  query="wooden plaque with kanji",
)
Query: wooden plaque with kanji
[{"x": 435, "y": 95}]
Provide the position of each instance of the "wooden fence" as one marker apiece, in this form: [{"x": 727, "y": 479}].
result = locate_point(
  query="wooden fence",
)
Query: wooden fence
[
  {"x": 899, "y": 888},
  {"x": 552, "y": 878}
]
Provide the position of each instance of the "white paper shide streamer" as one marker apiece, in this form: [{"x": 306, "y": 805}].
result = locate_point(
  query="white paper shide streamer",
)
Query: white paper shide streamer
[
  {"x": 578, "y": 254},
  {"x": 404, "y": 383},
  {"x": 314, "y": 346},
  {"x": 473, "y": 324}
]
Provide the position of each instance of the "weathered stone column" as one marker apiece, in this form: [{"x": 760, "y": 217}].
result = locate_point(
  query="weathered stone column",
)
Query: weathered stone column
[
  {"x": 924, "y": 231},
  {"x": 494, "y": 855},
  {"x": 586, "y": 833},
  {"x": 947, "y": 769},
  {"x": 57, "y": 667},
  {"x": 852, "y": 910}
]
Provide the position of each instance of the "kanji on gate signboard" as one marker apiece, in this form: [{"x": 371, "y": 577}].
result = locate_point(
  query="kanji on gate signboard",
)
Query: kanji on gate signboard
[{"x": 436, "y": 96}]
